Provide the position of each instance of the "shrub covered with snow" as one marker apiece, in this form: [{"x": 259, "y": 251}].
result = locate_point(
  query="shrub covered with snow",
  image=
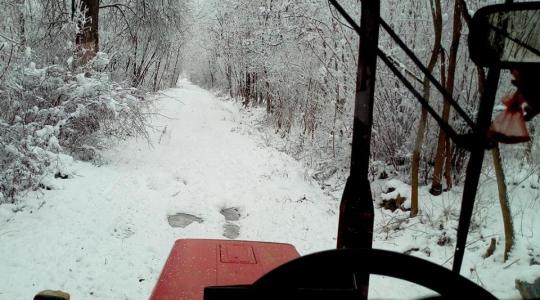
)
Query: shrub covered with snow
[{"x": 55, "y": 110}]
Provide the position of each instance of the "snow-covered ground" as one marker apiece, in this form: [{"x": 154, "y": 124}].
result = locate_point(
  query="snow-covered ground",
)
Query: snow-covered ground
[{"x": 103, "y": 233}]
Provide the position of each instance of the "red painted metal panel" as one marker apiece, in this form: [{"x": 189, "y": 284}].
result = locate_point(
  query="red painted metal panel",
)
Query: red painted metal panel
[{"x": 195, "y": 264}]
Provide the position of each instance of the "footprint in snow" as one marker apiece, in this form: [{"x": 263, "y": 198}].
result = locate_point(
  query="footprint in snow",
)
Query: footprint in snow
[
  {"x": 123, "y": 232},
  {"x": 182, "y": 220},
  {"x": 231, "y": 231},
  {"x": 231, "y": 214}
]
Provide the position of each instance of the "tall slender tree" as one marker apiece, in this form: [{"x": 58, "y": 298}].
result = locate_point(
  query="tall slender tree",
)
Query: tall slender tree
[
  {"x": 415, "y": 164},
  {"x": 440, "y": 157}
]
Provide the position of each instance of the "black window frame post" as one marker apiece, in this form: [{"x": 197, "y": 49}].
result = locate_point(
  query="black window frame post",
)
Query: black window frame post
[{"x": 356, "y": 209}]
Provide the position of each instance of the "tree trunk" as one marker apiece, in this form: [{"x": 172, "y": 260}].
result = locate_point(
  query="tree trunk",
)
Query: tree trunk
[
  {"x": 505, "y": 205},
  {"x": 22, "y": 24},
  {"x": 175, "y": 74},
  {"x": 268, "y": 95},
  {"x": 87, "y": 39},
  {"x": 448, "y": 165},
  {"x": 436, "y": 186},
  {"x": 415, "y": 164}
]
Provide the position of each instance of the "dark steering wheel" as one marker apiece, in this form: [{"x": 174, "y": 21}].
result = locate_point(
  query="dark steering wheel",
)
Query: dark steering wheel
[
  {"x": 330, "y": 275},
  {"x": 313, "y": 271}
]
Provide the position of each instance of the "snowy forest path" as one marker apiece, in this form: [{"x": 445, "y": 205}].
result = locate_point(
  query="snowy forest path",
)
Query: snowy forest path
[{"x": 104, "y": 232}]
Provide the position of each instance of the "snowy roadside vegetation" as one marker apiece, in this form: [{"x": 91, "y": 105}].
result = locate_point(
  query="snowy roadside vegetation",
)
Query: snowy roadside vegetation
[
  {"x": 56, "y": 113},
  {"x": 65, "y": 96}
]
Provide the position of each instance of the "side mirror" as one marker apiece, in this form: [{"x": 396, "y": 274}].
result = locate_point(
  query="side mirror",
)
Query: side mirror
[{"x": 506, "y": 35}]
